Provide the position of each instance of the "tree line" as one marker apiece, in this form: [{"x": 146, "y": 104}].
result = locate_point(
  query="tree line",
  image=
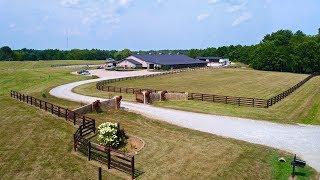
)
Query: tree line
[{"x": 283, "y": 50}]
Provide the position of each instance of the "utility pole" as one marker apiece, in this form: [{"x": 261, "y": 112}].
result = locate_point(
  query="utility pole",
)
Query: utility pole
[{"x": 67, "y": 34}]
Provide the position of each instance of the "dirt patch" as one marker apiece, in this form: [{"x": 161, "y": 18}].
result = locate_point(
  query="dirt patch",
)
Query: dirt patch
[{"x": 134, "y": 145}]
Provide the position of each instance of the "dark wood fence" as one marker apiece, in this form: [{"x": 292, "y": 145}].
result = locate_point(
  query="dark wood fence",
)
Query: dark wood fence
[
  {"x": 286, "y": 93},
  {"x": 111, "y": 157},
  {"x": 240, "y": 101}
]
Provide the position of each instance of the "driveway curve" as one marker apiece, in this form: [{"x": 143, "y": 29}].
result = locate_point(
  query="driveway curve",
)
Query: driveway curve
[{"x": 303, "y": 140}]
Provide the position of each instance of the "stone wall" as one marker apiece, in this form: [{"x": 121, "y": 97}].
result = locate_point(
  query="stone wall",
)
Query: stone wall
[
  {"x": 155, "y": 97},
  {"x": 84, "y": 109},
  {"x": 176, "y": 96},
  {"x": 111, "y": 103}
]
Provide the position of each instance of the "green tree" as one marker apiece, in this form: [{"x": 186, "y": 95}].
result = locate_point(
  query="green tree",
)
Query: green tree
[
  {"x": 122, "y": 54},
  {"x": 6, "y": 53}
]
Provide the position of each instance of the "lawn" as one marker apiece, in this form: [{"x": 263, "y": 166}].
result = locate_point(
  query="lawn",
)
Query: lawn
[
  {"x": 36, "y": 145},
  {"x": 303, "y": 106},
  {"x": 229, "y": 82}
]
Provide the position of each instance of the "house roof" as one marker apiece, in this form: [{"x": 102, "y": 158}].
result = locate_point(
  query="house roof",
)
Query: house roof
[
  {"x": 131, "y": 61},
  {"x": 211, "y": 57},
  {"x": 167, "y": 59}
]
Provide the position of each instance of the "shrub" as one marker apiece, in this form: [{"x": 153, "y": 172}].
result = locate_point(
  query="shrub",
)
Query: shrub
[
  {"x": 110, "y": 134},
  {"x": 43, "y": 94}
]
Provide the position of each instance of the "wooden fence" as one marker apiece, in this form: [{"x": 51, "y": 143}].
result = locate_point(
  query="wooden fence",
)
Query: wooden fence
[
  {"x": 240, "y": 101},
  {"x": 111, "y": 157},
  {"x": 286, "y": 93}
]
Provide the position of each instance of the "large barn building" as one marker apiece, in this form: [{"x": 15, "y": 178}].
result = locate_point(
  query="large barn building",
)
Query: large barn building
[{"x": 160, "y": 61}]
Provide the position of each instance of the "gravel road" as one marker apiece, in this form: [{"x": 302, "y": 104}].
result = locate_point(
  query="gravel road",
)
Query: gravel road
[{"x": 303, "y": 140}]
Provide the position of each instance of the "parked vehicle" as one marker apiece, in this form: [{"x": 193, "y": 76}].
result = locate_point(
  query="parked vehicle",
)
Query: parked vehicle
[{"x": 84, "y": 72}]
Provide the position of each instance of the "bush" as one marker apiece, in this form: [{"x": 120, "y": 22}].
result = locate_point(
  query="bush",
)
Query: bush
[
  {"x": 110, "y": 134},
  {"x": 43, "y": 94}
]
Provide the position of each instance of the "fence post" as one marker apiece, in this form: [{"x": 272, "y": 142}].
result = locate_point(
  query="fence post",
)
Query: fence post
[
  {"x": 74, "y": 118},
  {"x": 83, "y": 120},
  {"x": 89, "y": 151},
  {"x": 80, "y": 127},
  {"x": 253, "y": 102},
  {"x": 201, "y": 97},
  {"x": 31, "y": 100},
  {"x": 59, "y": 111},
  {"x": 27, "y": 99},
  {"x": 109, "y": 158},
  {"x": 226, "y": 99},
  {"x": 74, "y": 142},
  {"x": 132, "y": 167},
  {"x": 51, "y": 108},
  {"x": 100, "y": 174},
  {"x": 45, "y": 106},
  {"x": 23, "y": 98},
  {"x": 94, "y": 127},
  {"x": 40, "y": 104},
  {"x": 66, "y": 115},
  {"x": 238, "y": 101}
]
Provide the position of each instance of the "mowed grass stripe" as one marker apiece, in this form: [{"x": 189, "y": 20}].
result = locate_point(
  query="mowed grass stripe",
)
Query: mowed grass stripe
[{"x": 229, "y": 82}]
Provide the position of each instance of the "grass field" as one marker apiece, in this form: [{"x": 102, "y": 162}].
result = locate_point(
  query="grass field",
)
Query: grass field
[
  {"x": 229, "y": 82},
  {"x": 36, "y": 145},
  {"x": 303, "y": 106}
]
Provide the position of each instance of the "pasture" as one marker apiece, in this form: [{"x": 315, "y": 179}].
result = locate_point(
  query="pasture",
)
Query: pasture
[
  {"x": 36, "y": 145},
  {"x": 227, "y": 82}
]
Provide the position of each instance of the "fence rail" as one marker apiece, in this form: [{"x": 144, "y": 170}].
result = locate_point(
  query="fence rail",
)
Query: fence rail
[
  {"x": 286, "y": 93},
  {"x": 240, "y": 101},
  {"x": 111, "y": 157}
]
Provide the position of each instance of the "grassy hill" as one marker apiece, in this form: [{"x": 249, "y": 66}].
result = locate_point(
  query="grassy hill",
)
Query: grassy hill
[{"x": 36, "y": 145}]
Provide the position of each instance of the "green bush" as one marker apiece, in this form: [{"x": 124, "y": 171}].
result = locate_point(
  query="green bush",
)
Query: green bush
[{"x": 110, "y": 134}]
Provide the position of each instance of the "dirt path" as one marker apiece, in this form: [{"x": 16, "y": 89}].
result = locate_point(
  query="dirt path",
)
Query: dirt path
[{"x": 303, "y": 140}]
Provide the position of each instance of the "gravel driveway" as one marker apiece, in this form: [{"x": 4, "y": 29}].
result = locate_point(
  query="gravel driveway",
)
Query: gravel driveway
[{"x": 303, "y": 140}]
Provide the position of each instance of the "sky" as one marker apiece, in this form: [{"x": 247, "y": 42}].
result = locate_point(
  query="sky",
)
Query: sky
[{"x": 150, "y": 24}]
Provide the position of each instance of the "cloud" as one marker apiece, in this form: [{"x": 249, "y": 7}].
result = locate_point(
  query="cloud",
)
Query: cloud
[
  {"x": 70, "y": 3},
  {"x": 98, "y": 11},
  {"x": 246, "y": 16},
  {"x": 203, "y": 16},
  {"x": 236, "y": 7},
  {"x": 12, "y": 25},
  {"x": 213, "y": 1}
]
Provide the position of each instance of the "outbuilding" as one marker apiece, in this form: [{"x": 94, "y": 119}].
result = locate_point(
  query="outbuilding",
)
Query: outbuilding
[
  {"x": 129, "y": 63},
  {"x": 165, "y": 61},
  {"x": 215, "y": 61}
]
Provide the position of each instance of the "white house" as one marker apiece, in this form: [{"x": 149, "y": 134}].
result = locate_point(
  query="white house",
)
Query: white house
[
  {"x": 215, "y": 61},
  {"x": 129, "y": 63}
]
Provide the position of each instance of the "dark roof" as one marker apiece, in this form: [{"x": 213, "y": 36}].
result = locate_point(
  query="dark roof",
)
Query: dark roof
[
  {"x": 167, "y": 59},
  {"x": 131, "y": 61},
  {"x": 211, "y": 57}
]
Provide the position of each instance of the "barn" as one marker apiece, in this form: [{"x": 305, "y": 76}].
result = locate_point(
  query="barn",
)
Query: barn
[
  {"x": 163, "y": 61},
  {"x": 129, "y": 63},
  {"x": 215, "y": 61}
]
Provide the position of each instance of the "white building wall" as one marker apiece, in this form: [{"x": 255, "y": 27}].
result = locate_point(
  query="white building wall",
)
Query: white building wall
[
  {"x": 144, "y": 64},
  {"x": 126, "y": 64}
]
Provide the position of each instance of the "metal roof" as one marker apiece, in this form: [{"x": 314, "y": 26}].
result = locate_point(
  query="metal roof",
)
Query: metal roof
[
  {"x": 167, "y": 59},
  {"x": 211, "y": 57}
]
